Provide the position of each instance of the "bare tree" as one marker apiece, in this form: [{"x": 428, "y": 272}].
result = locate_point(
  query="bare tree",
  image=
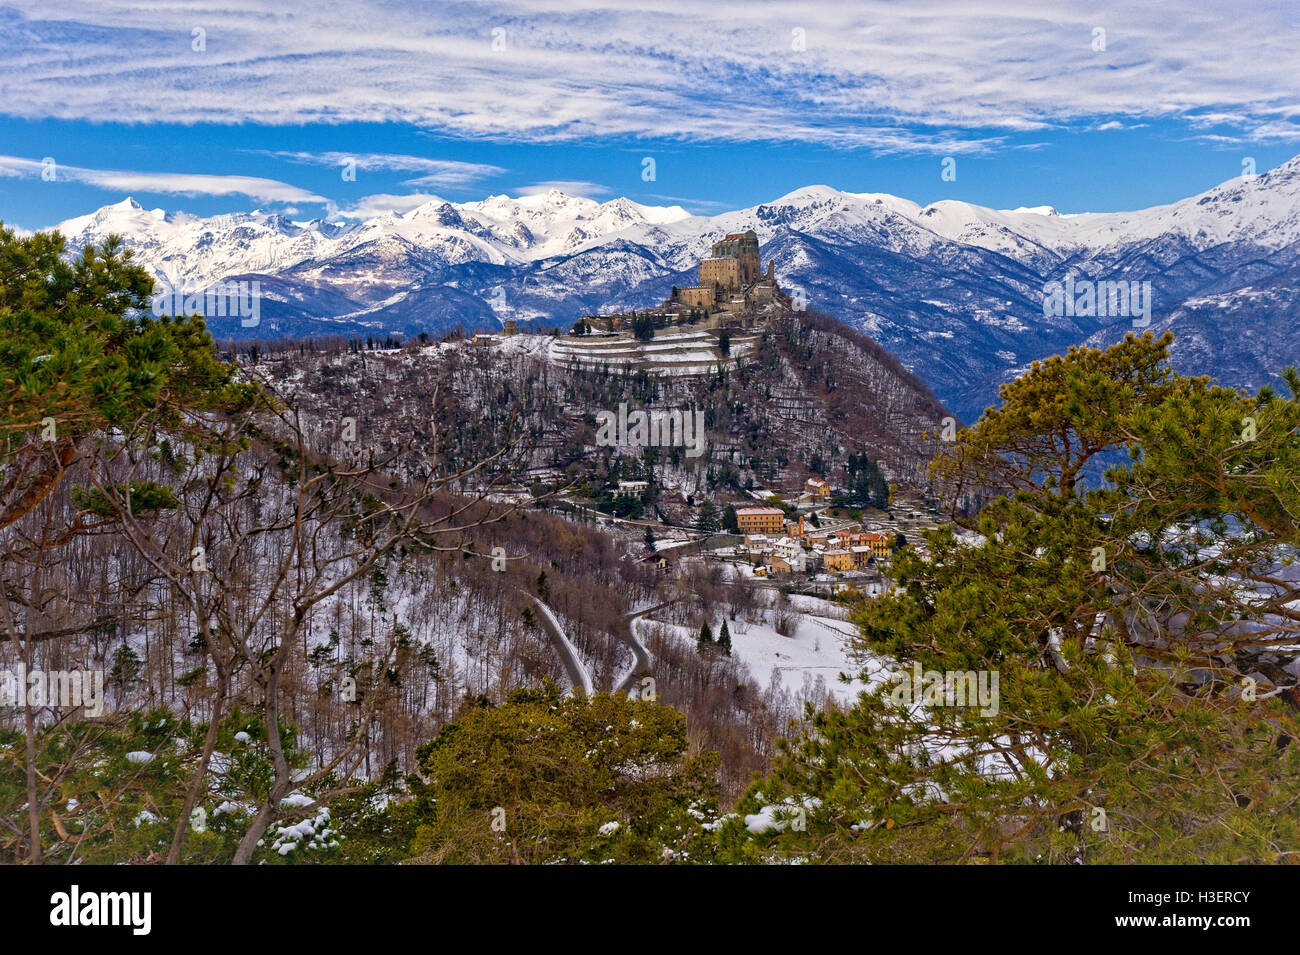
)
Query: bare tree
[{"x": 259, "y": 542}]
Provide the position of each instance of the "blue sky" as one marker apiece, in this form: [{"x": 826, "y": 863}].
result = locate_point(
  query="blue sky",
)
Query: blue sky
[{"x": 209, "y": 109}]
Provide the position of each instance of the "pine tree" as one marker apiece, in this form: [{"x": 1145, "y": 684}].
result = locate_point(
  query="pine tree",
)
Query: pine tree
[
  {"x": 707, "y": 520},
  {"x": 705, "y": 642},
  {"x": 1071, "y": 594},
  {"x": 729, "y": 520},
  {"x": 83, "y": 358},
  {"x": 127, "y": 667},
  {"x": 724, "y": 639},
  {"x": 378, "y": 586},
  {"x": 552, "y": 814}
]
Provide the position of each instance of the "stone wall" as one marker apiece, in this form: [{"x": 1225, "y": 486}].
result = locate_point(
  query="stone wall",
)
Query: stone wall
[
  {"x": 701, "y": 296},
  {"x": 725, "y": 272}
]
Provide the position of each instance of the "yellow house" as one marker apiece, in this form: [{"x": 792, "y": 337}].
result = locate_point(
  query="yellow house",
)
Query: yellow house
[
  {"x": 817, "y": 486},
  {"x": 880, "y": 544},
  {"x": 838, "y": 559}
]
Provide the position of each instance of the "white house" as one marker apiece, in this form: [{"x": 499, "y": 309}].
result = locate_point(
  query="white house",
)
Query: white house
[{"x": 793, "y": 554}]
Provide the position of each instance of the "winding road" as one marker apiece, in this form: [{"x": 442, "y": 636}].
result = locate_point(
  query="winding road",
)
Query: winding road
[
  {"x": 579, "y": 675},
  {"x": 641, "y": 661}
]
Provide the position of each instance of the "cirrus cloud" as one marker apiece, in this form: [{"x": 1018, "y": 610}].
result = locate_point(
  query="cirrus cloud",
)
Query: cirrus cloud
[
  {"x": 374, "y": 205},
  {"x": 940, "y": 76},
  {"x": 442, "y": 173}
]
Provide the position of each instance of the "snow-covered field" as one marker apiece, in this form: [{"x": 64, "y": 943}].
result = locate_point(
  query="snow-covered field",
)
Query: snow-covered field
[{"x": 814, "y": 651}]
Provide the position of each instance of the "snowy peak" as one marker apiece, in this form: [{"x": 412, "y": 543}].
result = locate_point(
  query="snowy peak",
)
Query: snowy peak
[
  {"x": 1264, "y": 209},
  {"x": 192, "y": 250},
  {"x": 953, "y": 288},
  {"x": 806, "y": 196},
  {"x": 126, "y": 218}
]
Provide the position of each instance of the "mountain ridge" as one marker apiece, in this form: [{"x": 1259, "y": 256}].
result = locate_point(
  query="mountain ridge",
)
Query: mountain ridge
[{"x": 953, "y": 288}]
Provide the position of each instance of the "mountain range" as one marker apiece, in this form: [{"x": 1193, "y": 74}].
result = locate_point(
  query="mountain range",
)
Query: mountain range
[{"x": 955, "y": 290}]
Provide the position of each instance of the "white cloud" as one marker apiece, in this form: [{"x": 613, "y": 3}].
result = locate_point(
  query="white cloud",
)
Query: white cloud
[
  {"x": 942, "y": 76},
  {"x": 172, "y": 183},
  {"x": 444, "y": 173}
]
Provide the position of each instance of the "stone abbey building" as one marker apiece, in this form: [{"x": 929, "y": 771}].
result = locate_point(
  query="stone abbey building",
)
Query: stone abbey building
[
  {"x": 732, "y": 290},
  {"x": 731, "y": 279},
  {"x": 734, "y": 263}
]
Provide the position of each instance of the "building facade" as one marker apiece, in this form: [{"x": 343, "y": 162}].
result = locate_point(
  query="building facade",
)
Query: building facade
[
  {"x": 817, "y": 487},
  {"x": 760, "y": 520},
  {"x": 838, "y": 560}
]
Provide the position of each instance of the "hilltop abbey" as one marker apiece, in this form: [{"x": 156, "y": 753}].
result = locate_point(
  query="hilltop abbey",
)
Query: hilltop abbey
[
  {"x": 731, "y": 279},
  {"x": 732, "y": 289}
]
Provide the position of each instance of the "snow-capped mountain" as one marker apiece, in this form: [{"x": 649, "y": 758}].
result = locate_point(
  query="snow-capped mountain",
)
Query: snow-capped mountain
[
  {"x": 498, "y": 230},
  {"x": 954, "y": 289}
]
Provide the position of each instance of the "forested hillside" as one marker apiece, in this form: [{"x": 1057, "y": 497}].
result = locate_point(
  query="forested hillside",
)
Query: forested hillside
[{"x": 813, "y": 394}]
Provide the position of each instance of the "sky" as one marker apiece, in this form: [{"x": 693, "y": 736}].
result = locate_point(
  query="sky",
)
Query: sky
[{"x": 348, "y": 110}]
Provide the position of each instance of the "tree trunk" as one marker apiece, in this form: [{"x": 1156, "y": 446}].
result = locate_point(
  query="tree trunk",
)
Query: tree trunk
[
  {"x": 33, "y": 808},
  {"x": 192, "y": 794}
]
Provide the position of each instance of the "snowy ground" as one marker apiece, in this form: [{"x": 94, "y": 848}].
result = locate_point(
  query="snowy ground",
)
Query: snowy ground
[
  {"x": 815, "y": 649},
  {"x": 683, "y": 352}
]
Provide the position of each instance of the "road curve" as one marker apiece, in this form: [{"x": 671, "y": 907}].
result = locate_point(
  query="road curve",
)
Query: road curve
[
  {"x": 579, "y": 677},
  {"x": 641, "y": 661}
]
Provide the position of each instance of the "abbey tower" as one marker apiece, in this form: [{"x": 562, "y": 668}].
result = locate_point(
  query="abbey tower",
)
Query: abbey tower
[{"x": 731, "y": 278}]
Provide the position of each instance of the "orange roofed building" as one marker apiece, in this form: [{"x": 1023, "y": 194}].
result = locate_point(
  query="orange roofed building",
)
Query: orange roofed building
[{"x": 879, "y": 543}]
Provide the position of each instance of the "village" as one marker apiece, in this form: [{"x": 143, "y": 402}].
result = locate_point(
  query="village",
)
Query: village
[
  {"x": 809, "y": 541},
  {"x": 811, "y": 535}
]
